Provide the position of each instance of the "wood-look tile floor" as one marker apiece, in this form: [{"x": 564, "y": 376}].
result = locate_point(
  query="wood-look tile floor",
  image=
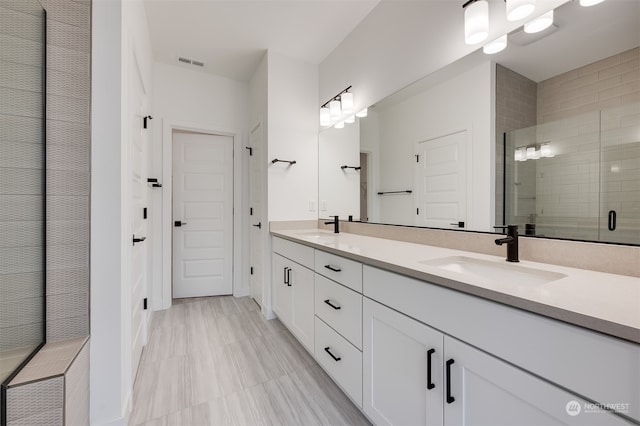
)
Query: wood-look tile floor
[{"x": 217, "y": 361}]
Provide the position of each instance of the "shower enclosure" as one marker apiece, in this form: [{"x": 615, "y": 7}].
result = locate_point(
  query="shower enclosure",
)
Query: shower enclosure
[
  {"x": 577, "y": 178},
  {"x": 22, "y": 186}
]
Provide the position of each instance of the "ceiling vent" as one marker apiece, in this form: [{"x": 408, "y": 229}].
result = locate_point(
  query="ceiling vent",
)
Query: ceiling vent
[{"x": 190, "y": 61}]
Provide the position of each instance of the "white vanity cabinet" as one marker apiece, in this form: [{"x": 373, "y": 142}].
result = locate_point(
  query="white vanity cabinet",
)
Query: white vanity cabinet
[
  {"x": 292, "y": 289},
  {"x": 414, "y": 374}
]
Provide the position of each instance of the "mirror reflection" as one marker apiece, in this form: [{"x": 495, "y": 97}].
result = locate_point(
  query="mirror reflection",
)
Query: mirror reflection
[{"x": 436, "y": 149}]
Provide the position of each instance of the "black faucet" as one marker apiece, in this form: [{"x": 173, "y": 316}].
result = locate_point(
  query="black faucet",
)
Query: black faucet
[
  {"x": 511, "y": 240},
  {"x": 335, "y": 223}
]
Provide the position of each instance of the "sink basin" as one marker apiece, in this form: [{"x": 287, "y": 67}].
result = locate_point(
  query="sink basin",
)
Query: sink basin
[
  {"x": 315, "y": 234},
  {"x": 494, "y": 271}
]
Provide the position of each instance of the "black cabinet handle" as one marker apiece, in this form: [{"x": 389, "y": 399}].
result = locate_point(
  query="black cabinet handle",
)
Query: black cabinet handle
[
  {"x": 335, "y": 358},
  {"x": 450, "y": 398},
  {"x": 259, "y": 225},
  {"x": 288, "y": 276},
  {"x": 138, "y": 240},
  {"x": 612, "y": 220},
  {"x": 328, "y": 302},
  {"x": 430, "y": 384},
  {"x": 332, "y": 268},
  {"x": 284, "y": 280}
]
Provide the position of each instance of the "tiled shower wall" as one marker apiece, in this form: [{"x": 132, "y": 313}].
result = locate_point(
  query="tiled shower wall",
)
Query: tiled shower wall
[
  {"x": 68, "y": 162},
  {"x": 515, "y": 109}
]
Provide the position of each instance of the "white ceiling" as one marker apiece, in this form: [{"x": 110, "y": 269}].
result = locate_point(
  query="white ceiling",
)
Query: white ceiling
[{"x": 230, "y": 37}]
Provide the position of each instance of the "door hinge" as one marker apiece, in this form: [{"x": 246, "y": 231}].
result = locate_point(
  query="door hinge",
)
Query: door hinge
[
  {"x": 251, "y": 271},
  {"x": 144, "y": 303}
]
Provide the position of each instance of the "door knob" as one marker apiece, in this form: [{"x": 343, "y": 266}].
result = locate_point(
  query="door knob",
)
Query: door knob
[
  {"x": 458, "y": 224},
  {"x": 259, "y": 225},
  {"x": 179, "y": 223}
]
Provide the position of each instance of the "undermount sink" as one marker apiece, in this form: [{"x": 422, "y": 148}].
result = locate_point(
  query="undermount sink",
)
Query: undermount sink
[
  {"x": 319, "y": 237},
  {"x": 494, "y": 271}
]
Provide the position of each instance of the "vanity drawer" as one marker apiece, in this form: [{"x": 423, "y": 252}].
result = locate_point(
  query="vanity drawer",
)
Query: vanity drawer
[
  {"x": 340, "y": 359},
  {"x": 297, "y": 252},
  {"x": 339, "y": 307},
  {"x": 344, "y": 271}
]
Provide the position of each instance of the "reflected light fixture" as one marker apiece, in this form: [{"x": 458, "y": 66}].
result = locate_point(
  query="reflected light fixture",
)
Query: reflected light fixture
[
  {"x": 545, "y": 150},
  {"x": 350, "y": 119},
  {"x": 362, "y": 113},
  {"x": 325, "y": 117},
  {"x": 519, "y": 9},
  {"x": 587, "y": 3},
  {"x": 532, "y": 153},
  {"x": 346, "y": 101},
  {"x": 520, "y": 154},
  {"x": 539, "y": 24},
  {"x": 335, "y": 110},
  {"x": 476, "y": 21},
  {"x": 495, "y": 46},
  {"x": 339, "y": 125}
]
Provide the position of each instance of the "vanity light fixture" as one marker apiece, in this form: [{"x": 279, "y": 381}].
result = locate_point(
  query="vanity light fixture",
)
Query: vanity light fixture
[
  {"x": 520, "y": 154},
  {"x": 495, "y": 46},
  {"x": 519, "y": 9},
  {"x": 476, "y": 21},
  {"x": 539, "y": 24},
  {"x": 350, "y": 119},
  {"x": 335, "y": 110},
  {"x": 587, "y": 3},
  {"x": 545, "y": 150},
  {"x": 532, "y": 153},
  {"x": 339, "y": 107},
  {"x": 362, "y": 114},
  {"x": 325, "y": 117},
  {"x": 346, "y": 101}
]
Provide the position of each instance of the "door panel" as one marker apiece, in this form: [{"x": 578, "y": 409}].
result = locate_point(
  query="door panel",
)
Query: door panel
[
  {"x": 441, "y": 177},
  {"x": 203, "y": 203}
]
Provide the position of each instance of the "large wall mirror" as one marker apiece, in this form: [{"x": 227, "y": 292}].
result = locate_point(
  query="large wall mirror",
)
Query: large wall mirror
[
  {"x": 442, "y": 152},
  {"x": 22, "y": 185}
]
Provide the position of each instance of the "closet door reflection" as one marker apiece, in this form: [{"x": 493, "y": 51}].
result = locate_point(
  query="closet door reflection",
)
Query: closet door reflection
[{"x": 22, "y": 183}]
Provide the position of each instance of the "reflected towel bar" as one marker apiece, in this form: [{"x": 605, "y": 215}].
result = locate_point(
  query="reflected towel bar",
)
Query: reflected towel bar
[
  {"x": 275, "y": 160},
  {"x": 350, "y": 167},
  {"x": 408, "y": 191}
]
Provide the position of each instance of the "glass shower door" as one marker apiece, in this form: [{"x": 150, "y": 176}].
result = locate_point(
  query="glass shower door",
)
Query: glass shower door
[{"x": 620, "y": 175}]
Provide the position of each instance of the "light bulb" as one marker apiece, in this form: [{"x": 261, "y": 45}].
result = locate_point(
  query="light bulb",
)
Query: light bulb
[
  {"x": 362, "y": 113},
  {"x": 497, "y": 45},
  {"x": 336, "y": 111},
  {"x": 325, "y": 117},
  {"x": 476, "y": 22},
  {"x": 346, "y": 101},
  {"x": 519, "y": 9},
  {"x": 539, "y": 24}
]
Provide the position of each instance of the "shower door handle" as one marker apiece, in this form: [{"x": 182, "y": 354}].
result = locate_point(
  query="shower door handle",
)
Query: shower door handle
[{"x": 612, "y": 220}]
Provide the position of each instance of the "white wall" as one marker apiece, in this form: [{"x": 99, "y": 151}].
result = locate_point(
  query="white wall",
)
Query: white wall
[
  {"x": 195, "y": 100},
  {"x": 119, "y": 32},
  {"x": 292, "y": 135},
  {"x": 370, "y": 143},
  {"x": 339, "y": 190},
  {"x": 464, "y": 102}
]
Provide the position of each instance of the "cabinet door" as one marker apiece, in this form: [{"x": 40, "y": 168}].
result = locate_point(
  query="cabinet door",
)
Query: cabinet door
[
  {"x": 281, "y": 291},
  {"x": 396, "y": 352},
  {"x": 302, "y": 325},
  {"x": 488, "y": 391}
]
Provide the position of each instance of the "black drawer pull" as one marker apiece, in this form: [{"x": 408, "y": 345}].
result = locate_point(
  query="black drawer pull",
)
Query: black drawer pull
[
  {"x": 335, "y": 358},
  {"x": 289, "y": 277},
  {"x": 332, "y": 268},
  {"x": 430, "y": 384},
  {"x": 611, "y": 225},
  {"x": 328, "y": 302},
  {"x": 450, "y": 398}
]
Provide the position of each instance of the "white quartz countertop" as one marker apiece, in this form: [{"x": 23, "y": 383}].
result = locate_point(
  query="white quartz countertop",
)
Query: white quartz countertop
[{"x": 603, "y": 302}]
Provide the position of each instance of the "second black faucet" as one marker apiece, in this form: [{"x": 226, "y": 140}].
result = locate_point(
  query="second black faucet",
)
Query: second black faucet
[
  {"x": 335, "y": 223},
  {"x": 511, "y": 240}
]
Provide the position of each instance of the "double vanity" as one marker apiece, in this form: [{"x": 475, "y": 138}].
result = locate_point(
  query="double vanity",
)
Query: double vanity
[{"x": 416, "y": 334}]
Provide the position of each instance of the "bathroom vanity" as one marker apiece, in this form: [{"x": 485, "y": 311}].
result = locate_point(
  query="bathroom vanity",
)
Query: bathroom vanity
[{"x": 416, "y": 334}]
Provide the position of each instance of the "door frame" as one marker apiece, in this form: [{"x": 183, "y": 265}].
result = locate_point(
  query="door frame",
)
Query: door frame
[{"x": 168, "y": 126}]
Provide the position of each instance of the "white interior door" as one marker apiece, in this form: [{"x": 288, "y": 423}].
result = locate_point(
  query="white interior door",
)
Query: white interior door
[
  {"x": 202, "y": 214},
  {"x": 255, "y": 201},
  {"x": 139, "y": 256},
  {"x": 441, "y": 177}
]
